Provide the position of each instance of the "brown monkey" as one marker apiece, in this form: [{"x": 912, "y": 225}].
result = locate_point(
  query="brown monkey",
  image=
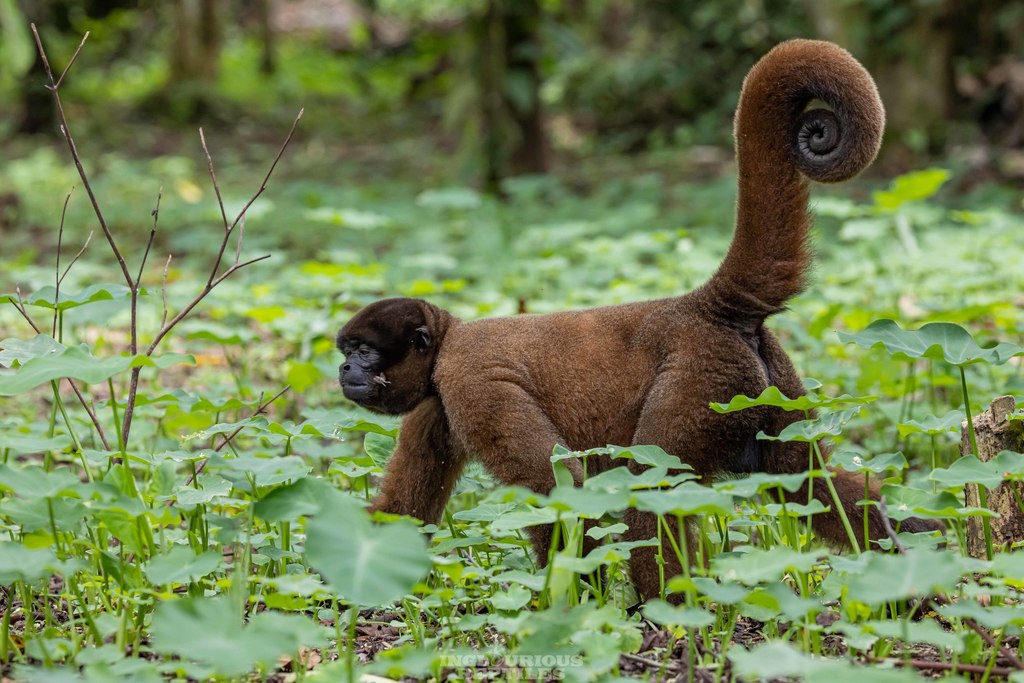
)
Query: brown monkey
[{"x": 507, "y": 390}]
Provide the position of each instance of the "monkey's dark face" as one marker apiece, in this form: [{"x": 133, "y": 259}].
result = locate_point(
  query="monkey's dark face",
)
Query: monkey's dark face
[{"x": 389, "y": 352}]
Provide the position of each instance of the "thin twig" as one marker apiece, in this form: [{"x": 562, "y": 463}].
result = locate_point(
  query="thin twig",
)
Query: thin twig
[
  {"x": 56, "y": 268},
  {"x": 887, "y": 525},
  {"x": 88, "y": 239},
  {"x": 163, "y": 291},
  {"x": 20, "y": 307},
  {"x": 266, "y": 178},
  {"x": 152, "y": 236},
  {"x": 70, "y": 61},
  {"x": 213, "y": 177},
  {"x": 927, "y": 665},
  {"x": 670, "y": 667},
  {"x": 260, "y": 409},
  {"x": 69, "y": 139}
]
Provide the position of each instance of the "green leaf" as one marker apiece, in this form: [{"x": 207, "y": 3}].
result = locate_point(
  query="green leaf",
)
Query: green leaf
[
  {"x": 970, "y": 470},
  {"x": 303, "y": 375},
  {"x": 210, "y": 631},
  {"x": 911, "y": 187},
  {"x": 805, "y": 431},
  {"x": 512, "y": 599},
  {"x": 44, "y": 297},
  {"x": 35, "y": 482},
  {"x": 181, "y": 565},
  {"x": 903, "y": 502},
  {"x": 772, "y": 396},
  {"x": 77, "y": 363},
  {"x": 379, "y": 447},
  {"x": 989, "y": 617},
  {"x": 652, "y": 456},
  {"x": 663, "y": 613},
  {"x": 950, "y": 422},
  {"x": 853, "y": 462},
  {"x": 937, "y": 341},
  {"x": 367, "y": 564},
  {"x": 758, "y": 565},
  {"x": 20, "y": 351},
  {"x": 688, "y": 498},
  {"x": 896, "y": 577},
  {"x": 291, "y": 501},
  {"x": 759, "y": 482},
  {"x": 18, "y": 563}
]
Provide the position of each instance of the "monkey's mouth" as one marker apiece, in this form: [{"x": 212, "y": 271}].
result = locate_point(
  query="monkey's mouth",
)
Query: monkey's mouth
[{"x": 360, "y": 393}]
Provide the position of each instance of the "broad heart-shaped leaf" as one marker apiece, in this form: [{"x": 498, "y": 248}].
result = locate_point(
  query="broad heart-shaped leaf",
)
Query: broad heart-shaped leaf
[
  {"x": 758, "y": 565},
  {"x": 289, "y": 502},
  {"x": 35, "y": 482},
  {"x": 210, "y": 631},
  {"x": 647, "y": 455},
  {"x": 896, "y": 577},
  {"x": 759, "y": 482},
  {"x": 903, "y": 502},
  {"x": 44, "y": 296},
  {"x": 937, "y": 341},
  {"x": 21, "y": 351},
  {"x": 950, "y": 422},
  {"x": 77, "y": 363},
  {"x": 181, "y": 565},
  {"x": 18, "y": 563},
  {"x": 989, "y": 617},
  {"x": 367, "y": 564},
  {"x": 772, "y": 396},
  {"x": 778, "y": 659},
  {"x": 853, "y": 462},
  {"x": 661, "y": 612},
  {"x": 805, "y": 431},
  {"x": 970, "y": 470},
  {"x": 688, "y": 498}
]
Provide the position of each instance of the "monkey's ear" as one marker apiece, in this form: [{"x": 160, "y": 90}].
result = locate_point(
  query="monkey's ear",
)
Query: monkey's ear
[{"x": 421, "y": 338}]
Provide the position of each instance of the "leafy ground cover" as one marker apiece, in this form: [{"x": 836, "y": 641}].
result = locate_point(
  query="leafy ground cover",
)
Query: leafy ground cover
[{"x": 183, "y": 497}]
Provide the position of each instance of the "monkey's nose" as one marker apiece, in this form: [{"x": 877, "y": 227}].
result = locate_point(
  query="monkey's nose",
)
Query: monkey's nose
[{"x": 346, "y": 367}]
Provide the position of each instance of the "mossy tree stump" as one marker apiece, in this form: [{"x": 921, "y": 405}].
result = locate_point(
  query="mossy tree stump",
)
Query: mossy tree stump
[{"x": 994, "y": 433}]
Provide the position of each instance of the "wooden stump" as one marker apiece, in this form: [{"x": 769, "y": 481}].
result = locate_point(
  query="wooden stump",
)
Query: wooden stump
[{"x": 994, "y": 433}]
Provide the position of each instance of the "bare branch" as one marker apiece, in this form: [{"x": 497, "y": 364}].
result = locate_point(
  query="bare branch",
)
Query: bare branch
[
  {"x": 163, "y": 291},
  {"x": 19, "y": 305},
  {"x": 70, "y": 61},
  {"x": 213, "y": 177},
  {"x": 152, "y": 236},
  {"x": 887, "y": 525},
  {"x": 238, "y": 242},
  {"x": 77, "y": 256},
  {"x": 53, "y": 87},
  {"x": 263, "y": 185}
]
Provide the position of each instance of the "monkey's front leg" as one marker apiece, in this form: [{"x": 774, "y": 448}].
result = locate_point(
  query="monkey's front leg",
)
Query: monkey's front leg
[{"x": 423, "y": 470}]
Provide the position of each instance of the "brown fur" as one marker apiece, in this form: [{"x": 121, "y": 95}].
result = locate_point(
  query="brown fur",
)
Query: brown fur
[{"x": 507, "y": 390}]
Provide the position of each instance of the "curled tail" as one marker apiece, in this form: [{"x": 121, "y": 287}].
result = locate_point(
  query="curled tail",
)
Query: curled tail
[{"x": 780, "y": 144}]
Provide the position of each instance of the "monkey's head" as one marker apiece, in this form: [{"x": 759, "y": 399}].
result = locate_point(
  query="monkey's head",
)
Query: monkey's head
[{"x": 390, "y": 348}]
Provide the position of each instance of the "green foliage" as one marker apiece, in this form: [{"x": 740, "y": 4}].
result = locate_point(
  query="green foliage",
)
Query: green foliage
[{"x": 226, "y": 538}]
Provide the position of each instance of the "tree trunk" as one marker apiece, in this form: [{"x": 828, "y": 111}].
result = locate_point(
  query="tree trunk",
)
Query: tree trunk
[
  {"x": 195, "y": 50},
  {"x": 522, "y": 20},
  {"x": 995, "y": 433}
]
